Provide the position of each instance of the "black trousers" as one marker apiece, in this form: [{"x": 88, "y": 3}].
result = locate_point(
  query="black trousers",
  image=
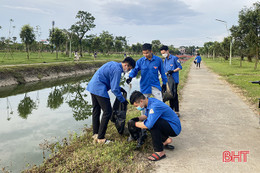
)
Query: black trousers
[
  {"x": 99, "y": 103},
  {"x": 174, "y": 103},
  {"x": 160, "y": 132},
  {"x": 198, "y": 64}
]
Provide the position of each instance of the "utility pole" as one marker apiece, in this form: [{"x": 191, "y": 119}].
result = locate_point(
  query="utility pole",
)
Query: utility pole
[{"x": 231, "y": 41}]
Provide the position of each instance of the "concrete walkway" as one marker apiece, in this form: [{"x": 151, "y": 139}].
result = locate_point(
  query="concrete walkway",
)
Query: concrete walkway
[{"x": 214, "y": 119}]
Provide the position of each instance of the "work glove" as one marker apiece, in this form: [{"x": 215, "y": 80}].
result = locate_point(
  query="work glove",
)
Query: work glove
[
  {"x": 136, "y": 119},
  {"x": 170, "y": 72},
  {"x": 128, "y": 80},
  {"x": 131, "y": 123},
  {"x": 163, "y": 88}
]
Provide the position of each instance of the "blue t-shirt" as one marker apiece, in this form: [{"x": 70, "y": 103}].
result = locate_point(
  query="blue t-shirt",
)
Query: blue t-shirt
[
  {"x": 171, "y": 64},
  {"x": 107, "y": 77},
  {"x": 198, "y": 58},
  {"x": 157, "y": 109},
  {"x": 149, "y": 73}
]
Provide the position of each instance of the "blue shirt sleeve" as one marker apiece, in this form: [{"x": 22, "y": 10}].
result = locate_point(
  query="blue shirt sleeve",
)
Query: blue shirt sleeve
[
  {"x": 153, "y": 115},
  {"x": 135, "y": 70},
  {"x": 178, "y": 63},
  {"x": 162, "y": 71},
  {"x": 115, "y": 77}
]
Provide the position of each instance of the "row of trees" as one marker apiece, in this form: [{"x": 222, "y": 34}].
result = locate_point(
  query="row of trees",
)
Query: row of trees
[
  {"x": 245, "y": 37},
  {"x": 76, "y": 39}
]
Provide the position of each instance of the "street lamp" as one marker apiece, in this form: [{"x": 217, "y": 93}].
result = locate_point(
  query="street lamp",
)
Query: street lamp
[{"x": 231, "y": 41}]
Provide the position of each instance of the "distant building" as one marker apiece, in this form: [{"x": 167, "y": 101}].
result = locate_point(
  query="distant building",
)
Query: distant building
[
  {"x": 182, "y": 49},
  {"x": 45, "y": 41}
]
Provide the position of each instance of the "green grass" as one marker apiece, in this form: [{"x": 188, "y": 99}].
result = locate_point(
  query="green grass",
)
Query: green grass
[
  {"x": 239, "y": 76},
  {"x": 48, "y": 57}
]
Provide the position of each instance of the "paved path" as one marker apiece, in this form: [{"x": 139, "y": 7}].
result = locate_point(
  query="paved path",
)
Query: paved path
[{"x": 214, "y": 119}]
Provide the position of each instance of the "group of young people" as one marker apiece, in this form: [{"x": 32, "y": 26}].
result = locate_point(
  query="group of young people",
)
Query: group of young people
[{"x": 156, "y": 116}]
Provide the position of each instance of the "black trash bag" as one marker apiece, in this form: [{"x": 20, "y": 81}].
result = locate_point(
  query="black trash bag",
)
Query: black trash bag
[
  {"x": 136, "y": 134},
  {"x": 195, "y": 62},
  {"x": 119, "y": 113},
  {"x": 170, "y": 92}
]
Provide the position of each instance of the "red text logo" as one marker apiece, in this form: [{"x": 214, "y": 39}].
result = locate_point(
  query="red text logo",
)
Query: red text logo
[{"x": 240, "y": 156}]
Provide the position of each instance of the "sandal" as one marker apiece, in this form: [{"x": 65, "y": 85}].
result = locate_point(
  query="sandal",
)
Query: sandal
[
  {"x": 157, "y": 157},
  {"x": 169, "y": 147},
  {"x": 105, "y": 142}
]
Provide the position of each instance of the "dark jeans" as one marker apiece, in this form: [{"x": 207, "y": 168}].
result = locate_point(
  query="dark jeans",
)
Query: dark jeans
[
  {"x": 198, "y": 64},
  {"x": 174, "y": 103},
  {"x": 99, "y": 103},
  {"x": 160, "y": 132}
]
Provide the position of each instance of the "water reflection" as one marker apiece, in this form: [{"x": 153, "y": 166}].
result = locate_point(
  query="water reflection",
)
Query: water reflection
[
  {"x": 44, "y": 110},
  {"x": 26, "y": 106}
]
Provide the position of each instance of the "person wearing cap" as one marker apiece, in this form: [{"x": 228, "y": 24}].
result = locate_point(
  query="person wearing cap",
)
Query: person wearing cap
[
  {"x": 198, "y": 60},
  {"x": 172, "y": 66},
  {"x": 159, "y": 119},
  {"x": 149, "y": 65},
  {"x": 106, "y": 77}
]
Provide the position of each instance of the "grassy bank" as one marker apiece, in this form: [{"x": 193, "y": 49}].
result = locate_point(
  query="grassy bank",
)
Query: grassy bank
[
  {"x": 80, "y": 154},
  {"x": 48, "y": 57},
  {"x": 238, "y": 76}
]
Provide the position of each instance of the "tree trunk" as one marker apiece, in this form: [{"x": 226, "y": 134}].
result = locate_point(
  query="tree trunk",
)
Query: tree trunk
[
  {"x": 249, "y": 57},
  {"x": 80, "y": 47},
  {"x": 257, "y": 57},
  {"x": 27, "y": 50},
  {"x": 241, "y": 59},
  {"x": 57, "y": 52}
]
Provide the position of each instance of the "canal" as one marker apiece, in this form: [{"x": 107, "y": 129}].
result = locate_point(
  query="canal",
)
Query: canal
[{"x": 34, "y": 113}]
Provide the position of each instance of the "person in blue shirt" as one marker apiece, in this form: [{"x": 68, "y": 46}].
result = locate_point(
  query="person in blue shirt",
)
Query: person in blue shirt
[
  {"x": 172, "y": 66},
  {"x": 159, "y": 119},
  {"x": 106, "y": 77},
  {"x": 149, "y": 65},
  {"x": 198, "y": 60}
]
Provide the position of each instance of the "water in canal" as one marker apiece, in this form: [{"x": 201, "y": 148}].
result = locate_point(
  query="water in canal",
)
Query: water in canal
[{"x": 48, "y": 110}]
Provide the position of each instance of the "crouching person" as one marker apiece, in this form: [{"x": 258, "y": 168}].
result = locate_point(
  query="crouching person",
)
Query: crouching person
[{"x": 159, "y": 119}]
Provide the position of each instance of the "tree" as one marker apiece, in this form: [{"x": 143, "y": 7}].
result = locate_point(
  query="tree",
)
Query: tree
[
  {"x": 96, "y": 44},
  {"x": 118, "y": 46},
  {"x": 207, "y": 46},
  {"x": 156, "y": 44},
  {"x": 249, "y": 22},
  {"x": 106, "y": 41},
  {"x": 26, "y": 106},
  {"x": 28, "y": 37},
  {"x": 81, "y": 27},
  {"x": 57, "y": 38}
]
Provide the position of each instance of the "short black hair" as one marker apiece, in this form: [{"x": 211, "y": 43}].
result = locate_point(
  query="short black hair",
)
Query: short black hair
[
  {"x": 147, "y": 46},
  {"x": 164, "y": 48},
  {"x": 130, "y": 61},
  {"x": 136, "y": 96},
  {"x": 198, "y": 54}
]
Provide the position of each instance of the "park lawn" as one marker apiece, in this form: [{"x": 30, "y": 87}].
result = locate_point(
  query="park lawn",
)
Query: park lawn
[
  {"x": 80, "y": 154},
  {"x": 238, "y": 76},
  {"x": 48, "y": 57}
]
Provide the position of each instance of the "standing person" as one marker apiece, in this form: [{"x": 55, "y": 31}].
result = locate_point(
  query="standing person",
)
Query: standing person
[
  {"x": 198, "y": 60},
  {"x": 149, "y": 65},
  {"x": 159, "y": 119},
  {"x": 172, "y": 66},
  {"x": 106, "y": 77}
]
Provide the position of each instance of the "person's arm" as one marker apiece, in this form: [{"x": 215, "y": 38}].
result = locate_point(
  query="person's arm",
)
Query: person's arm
[
  {"x": 161, "y": 69},
  {"x": 115, "y": 77},
  {"x": 178, "y": 64},
  {"x": 135, "y": 70}
]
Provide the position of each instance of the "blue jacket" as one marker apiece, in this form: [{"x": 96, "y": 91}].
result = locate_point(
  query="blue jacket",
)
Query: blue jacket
[
  {"x": 198, "y": 58},
  {"x": 171, "y": 64},
  {"x": 107, "y": 77},
  {"x": 157, "y": 109},
  {"x": 149, "y": 73}
]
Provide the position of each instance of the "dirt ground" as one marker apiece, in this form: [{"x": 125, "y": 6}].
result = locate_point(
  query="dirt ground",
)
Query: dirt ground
[{"x": 214, "y": 119}]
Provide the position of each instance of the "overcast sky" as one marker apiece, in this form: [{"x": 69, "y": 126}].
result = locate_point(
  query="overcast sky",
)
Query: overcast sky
[{"x": 176, "y": 22}]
